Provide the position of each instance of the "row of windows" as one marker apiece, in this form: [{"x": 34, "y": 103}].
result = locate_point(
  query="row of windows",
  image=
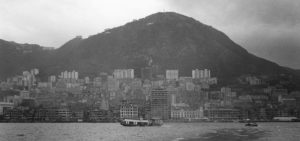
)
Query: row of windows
[
  {"x": 128, "y": 112},
  {"x": 186, "y": 115}
]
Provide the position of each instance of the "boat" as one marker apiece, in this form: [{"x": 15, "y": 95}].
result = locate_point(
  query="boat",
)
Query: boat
[
  {"x": 250, "y": 123},
  {"x": 141, "y": 122},
  {"x": 253, "y": 124}
]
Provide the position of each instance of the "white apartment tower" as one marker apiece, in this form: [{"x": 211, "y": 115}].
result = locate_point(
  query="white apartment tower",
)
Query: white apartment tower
[
  {"x": 198, "y": 74},
  {"x": 172, "y": 74},
  {"x": 123, "y": 73}
]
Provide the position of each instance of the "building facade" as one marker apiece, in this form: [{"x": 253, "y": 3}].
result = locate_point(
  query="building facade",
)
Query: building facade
[
  {"x": 160, "y": 104},
  {"x": 183, "y": 114},
  {"x": 172, "y": 74},
  {"x": 129, "y": 111},
  {"x": 123, "y": 73}
]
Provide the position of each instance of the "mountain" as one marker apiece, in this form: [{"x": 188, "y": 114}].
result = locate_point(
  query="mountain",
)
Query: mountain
[
  {"x": 15, "y": 57},
  {"x": 169, "y": 40}
]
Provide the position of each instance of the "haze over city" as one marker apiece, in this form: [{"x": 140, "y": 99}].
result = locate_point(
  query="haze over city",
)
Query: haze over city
[{"x": 267, "y": 28}]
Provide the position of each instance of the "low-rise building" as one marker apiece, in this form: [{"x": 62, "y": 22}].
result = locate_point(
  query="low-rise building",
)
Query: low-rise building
[
  {"x": 183, "y": 114},
  {"x": 5, "y": 106},
  {"x": 222, "y": 114},
  {"x": 63, "y": 114},
  {"x": 129, "y": 111}
]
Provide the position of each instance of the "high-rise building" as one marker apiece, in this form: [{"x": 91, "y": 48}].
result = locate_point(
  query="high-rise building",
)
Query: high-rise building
[
  {"x": 172, "y": 74},
  {"x": 198, "y": 74},
  {"x": 69, "y": 75},
  {"x": 160, "y": 104},
  {"x": 195, "y": 74},
  {"x": 123, "y": 73},
  {"x": 206, "y": 73}
]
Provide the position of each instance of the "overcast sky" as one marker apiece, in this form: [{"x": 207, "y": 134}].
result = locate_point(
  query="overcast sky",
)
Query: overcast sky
[{"x": 266, "y": 28}]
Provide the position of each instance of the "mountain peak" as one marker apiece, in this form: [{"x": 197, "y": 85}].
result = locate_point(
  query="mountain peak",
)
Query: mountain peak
[
  {"x": 169, "y": 17},
  {"x": 166, "y": 15}
]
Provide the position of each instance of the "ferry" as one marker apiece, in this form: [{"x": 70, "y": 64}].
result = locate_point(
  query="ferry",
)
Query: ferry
[{"x": 141, "y": 122}]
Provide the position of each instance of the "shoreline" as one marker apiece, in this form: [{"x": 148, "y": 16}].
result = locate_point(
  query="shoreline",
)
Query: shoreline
[{"x": 267, "y": 121}]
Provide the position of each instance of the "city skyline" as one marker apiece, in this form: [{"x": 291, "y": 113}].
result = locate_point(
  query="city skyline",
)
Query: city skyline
[{"x": 173, "y": 69}]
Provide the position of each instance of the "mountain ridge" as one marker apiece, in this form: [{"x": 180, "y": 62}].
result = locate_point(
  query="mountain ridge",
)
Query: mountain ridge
[{"x": 169, "y": 39}]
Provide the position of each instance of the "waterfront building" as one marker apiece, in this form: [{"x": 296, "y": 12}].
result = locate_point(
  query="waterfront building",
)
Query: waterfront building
[
  {"x": 186, "y": 114},
  {"x": 222, "y": 114},
  {"x": 41, "y": 115},
  {"x": 63, "y": 114},
  {"x": 14, "y": 114},
  {"x": 129, "y": 111},
  {"x": 160, "y": 104},
  {"x": 95, "y": 115},
  {"x": 5, "y": 106}
]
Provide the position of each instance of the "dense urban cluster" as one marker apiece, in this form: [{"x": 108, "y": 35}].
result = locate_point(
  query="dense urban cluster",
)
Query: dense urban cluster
[{"x": 70, "y": 97}]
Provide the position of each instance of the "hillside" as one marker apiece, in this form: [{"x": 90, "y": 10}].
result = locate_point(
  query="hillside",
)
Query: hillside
[
  {"x": 14, "y": 57},
  {"x": 170, "y": 40}
]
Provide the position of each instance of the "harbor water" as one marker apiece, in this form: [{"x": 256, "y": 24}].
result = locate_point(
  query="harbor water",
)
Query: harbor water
[{"x": 269, "y": 131}]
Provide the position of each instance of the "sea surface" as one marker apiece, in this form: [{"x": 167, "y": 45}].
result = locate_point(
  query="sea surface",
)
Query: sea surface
[{"x": 168, "y": 132}]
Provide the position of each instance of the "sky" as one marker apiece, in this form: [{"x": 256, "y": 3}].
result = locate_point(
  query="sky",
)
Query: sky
[{"x": 266, "y": 28}]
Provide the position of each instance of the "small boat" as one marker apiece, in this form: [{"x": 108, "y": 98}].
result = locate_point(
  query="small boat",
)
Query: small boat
[
  {"x": 141, "y": 122},
  {"x": 251, "y": 124}
]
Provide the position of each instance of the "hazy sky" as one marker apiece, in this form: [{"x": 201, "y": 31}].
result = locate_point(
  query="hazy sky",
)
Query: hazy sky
[{"x": 267, "y": 28}]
